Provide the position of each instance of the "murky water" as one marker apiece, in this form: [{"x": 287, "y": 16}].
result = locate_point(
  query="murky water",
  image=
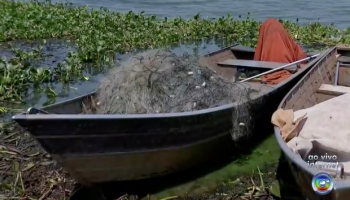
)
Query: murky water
[{"x": 327, "y": 11}]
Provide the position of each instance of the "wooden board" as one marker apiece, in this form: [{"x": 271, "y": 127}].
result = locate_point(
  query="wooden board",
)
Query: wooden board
[
  {"x": 251, "y": 63},
  {"x": 320, "y": 97},
  {"x": 335, "y": 90},
  {"x": 242, "y": 48},
  {"x": 344, "y": 59},
  {"x": 344, "y": 75}
]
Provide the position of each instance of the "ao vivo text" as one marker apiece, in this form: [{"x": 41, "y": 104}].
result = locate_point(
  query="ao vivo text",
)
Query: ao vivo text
[{"x": 323, "y": 161}]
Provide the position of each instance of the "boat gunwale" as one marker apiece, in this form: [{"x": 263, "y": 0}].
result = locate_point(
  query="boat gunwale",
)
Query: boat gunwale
[
  {"x": 52, "y": 116},
  {"x": 293, "y": 157}
]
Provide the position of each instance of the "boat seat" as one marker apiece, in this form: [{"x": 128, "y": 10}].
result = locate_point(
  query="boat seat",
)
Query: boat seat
[
  {"x": 334, "y": 90},
  {"x": 242, "y": 48},
  {"x": 253, "y": 64},
  {"x": 344, "y": 59}
]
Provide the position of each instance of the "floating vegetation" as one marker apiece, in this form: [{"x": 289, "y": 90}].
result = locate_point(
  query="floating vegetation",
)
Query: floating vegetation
[{"x": 97, "y": 35}]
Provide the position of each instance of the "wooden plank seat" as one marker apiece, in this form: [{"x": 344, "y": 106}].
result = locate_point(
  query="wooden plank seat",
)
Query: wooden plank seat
[
  {"x": 252, "y": 50},
  {"x": 254, "y": 64},
  {"x": 328, "y": 91},
  {"x": 242, "y": 48},
  {"x": 335, "y": 90},
  {"x": 344, "y": 59}
]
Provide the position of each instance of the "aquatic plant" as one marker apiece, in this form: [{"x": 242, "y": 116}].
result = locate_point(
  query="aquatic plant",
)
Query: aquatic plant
[
  {"x": 99, "y": 34},
  {"x": 20, "y": 73}
]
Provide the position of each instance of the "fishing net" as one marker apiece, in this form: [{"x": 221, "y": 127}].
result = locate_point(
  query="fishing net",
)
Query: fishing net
[{"x": 158, "y": 81}]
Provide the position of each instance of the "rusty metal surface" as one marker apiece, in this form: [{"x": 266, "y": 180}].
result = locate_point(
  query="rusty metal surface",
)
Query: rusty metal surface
[
  {"x": 303, "y": 95},
  {"x": 99, "y": 148}
]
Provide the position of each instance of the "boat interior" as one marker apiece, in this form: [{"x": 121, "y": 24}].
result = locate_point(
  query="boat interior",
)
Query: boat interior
[
  {"x": 341, "y": 80},
  {"x": 237, "y": 63},
  {"x": 329, "y": 79}
]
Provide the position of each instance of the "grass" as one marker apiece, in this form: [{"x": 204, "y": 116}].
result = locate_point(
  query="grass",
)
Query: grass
[
  {"x": 252, "y": 186},
  {"x": 265, "y": 155}
]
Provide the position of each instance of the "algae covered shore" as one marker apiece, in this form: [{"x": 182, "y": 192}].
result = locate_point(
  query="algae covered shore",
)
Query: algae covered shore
[{"x": 44, "y": 44}]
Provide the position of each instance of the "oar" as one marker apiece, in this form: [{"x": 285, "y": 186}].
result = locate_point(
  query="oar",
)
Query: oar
[{"x": 278, "y": 68}]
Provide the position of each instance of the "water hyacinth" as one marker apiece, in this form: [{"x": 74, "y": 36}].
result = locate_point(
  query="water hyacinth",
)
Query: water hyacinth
[{"x": 98, "y": 34}]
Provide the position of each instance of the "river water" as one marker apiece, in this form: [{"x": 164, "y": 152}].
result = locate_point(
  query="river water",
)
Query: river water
[{"x": 326, "y": 11}]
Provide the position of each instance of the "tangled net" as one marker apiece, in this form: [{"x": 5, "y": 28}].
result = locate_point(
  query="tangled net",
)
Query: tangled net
[{"x": 158, "y": 81}]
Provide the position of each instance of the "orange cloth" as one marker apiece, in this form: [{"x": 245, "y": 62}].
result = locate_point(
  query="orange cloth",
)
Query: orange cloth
[
  {"x": 276, "y": 45},
  {"x": 275, "y": 77}
]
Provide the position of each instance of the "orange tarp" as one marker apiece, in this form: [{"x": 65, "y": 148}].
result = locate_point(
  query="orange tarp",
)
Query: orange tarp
[{"x": 276, "y": 45}]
